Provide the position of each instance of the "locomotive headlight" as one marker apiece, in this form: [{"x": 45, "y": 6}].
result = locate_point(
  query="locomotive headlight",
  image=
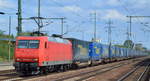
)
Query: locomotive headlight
[
  {"x": 18, "y": 59},
  {"x": 35, "y": 59}
]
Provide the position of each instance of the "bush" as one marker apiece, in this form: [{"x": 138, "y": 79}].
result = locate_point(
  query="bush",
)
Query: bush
[{"x": 4, "y": 51}]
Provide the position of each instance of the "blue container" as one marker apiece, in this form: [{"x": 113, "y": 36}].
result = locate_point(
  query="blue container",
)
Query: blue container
[
  {"x": 124, "y": 52},
  {"x": 95, "y": 51},
  {"x": 120, "y": 53},
  {"x": 117, "y": 52},
  {"x": 113, "y": 52}
]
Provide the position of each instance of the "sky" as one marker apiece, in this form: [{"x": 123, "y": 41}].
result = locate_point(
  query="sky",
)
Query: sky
[{"x": 79, "y": 16}]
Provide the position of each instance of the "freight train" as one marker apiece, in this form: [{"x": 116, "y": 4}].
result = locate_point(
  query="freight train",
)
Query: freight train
[{"x": 42, "y": 54}]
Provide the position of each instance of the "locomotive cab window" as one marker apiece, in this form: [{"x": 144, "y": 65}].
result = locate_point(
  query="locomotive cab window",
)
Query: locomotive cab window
[
  {"x": 28, "y": 44},
  {"x": 33, "y": 44},
  {"x": 22, "y": 44}
]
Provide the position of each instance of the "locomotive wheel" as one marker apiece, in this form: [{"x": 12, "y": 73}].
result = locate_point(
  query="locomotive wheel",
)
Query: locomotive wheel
[
  {"x": 43, "y": 70},
  {"x": 74, "y": 66},
  {"x": 36, "y": 72},
  {"x": 65, "y": 67},
  {"x": 62, "y": 68}
]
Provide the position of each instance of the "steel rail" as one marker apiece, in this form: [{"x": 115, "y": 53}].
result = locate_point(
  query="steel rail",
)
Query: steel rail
[
  {"x": 92, "y": 73},
  {"x": 142, "y": 75},
  {"x": 129, "y": 73}
]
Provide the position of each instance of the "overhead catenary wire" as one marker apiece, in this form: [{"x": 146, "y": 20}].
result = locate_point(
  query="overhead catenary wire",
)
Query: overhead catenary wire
[
  {"x": 124, "y": 7},
  {"x": 61, "y": 5},
  {"x": 130, "y": 12},
  {"x": 76, "y": 14}
]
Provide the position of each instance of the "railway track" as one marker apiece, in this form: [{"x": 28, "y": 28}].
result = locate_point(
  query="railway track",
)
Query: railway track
[
  {"x": 144, "y": 76},
  {"x": 12, "y": 76},
  {"x": 7, "y": 71},
  {"x": 138, "y": 73},
  {"x": 86, "y": 75},
  {"x": 7, "y": 74},
  {"x": 15, "y": 77}
]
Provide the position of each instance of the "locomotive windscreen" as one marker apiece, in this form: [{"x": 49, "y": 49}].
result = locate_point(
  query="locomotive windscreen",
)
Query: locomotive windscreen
[{"x": 28, "y": 43}]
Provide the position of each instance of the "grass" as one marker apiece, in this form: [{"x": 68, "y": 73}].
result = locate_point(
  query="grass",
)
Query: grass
[{"x": 4, "y": 51}]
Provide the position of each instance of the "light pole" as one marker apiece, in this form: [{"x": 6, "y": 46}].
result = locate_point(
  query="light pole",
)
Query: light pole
[
  {"x": 3, "y": 13},
  {"x": 9, "y": 50}
]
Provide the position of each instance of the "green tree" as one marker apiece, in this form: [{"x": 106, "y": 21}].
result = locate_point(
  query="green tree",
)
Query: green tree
[{"x": 129, "y": 44}]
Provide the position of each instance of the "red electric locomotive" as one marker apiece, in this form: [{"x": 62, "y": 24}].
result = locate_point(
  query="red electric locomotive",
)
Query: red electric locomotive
[{"x": 34, "y": 55}]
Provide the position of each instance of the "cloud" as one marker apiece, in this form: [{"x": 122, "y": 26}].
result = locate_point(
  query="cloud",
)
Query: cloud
[
  {"x": 101, "y": 3},
  {"x": 65, "y": 0},
  {"x": 97, "y": 3},
  {"x": 72, "y": 8},
  {"x": 141, "y": 4},
  {"x": 6, "y": 4},
  {"x": 113, "y": 2},
  {"x": 114, "y": 14}
]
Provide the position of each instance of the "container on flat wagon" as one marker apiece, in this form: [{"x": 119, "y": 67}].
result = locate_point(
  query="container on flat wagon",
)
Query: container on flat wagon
[
  {"x": 113, "y": 52},
  {"x": 80, "y": 50},
  {"x": 95, "y": 51},
  {"x": 117, "y": 52},
  {"x": 124, "y": 52},
  {"x": 121, "y": 52},
  {"x": 105, "y": 52},
  {"x": 127, "y": 52}
]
